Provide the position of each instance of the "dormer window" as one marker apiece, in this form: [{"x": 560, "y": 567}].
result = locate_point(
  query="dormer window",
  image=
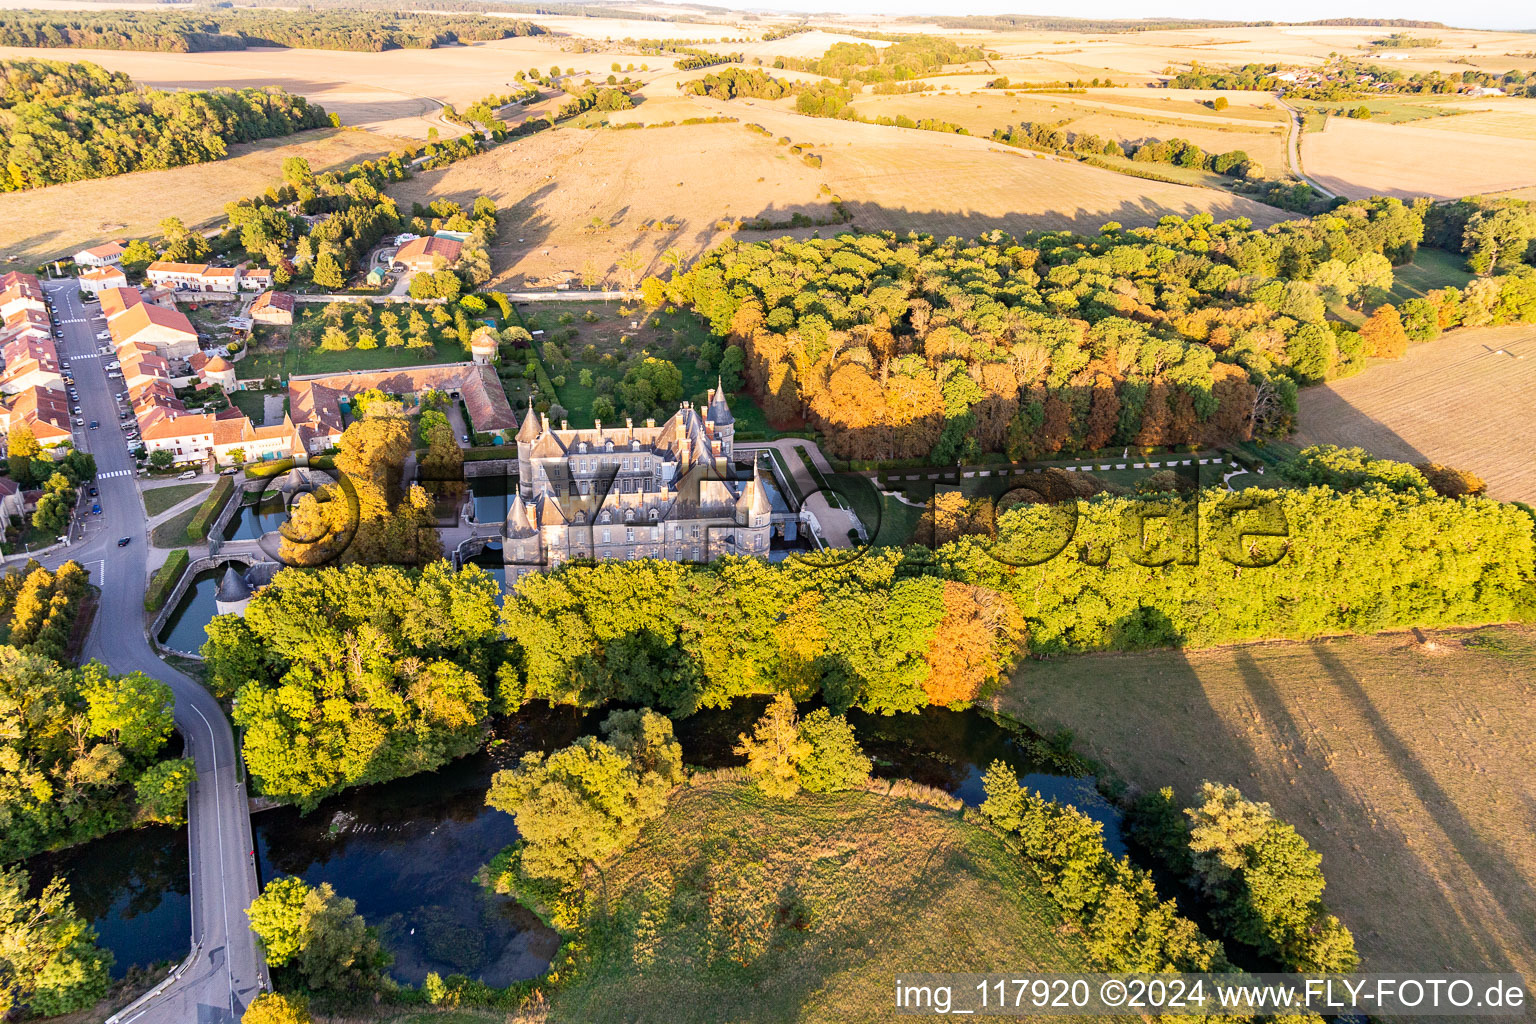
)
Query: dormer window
[
  {"x": 653, "y": 515},
  {"x": 629, "y": 515},
  {"x": 634, "y": 446},
  {"x": 582, "y": 447},
  {"x": 607, "y": 517},
  {"x": 608, "y": 446}
]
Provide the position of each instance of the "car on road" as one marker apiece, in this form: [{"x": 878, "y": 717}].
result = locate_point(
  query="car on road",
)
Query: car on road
[
  {"x": 123, "y": 542},
  {"x": 79, "y": 422},
  {"x": 93, "y": 492},
  {"x": 93, "y": 424},
  {"x": 188, "y": 475},
  {"x": 76, "y": 410},
  {"x": 96, "y": 510}
]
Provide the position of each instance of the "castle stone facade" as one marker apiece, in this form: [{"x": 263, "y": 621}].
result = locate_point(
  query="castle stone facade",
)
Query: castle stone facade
[{"x": 633, "y": 492}]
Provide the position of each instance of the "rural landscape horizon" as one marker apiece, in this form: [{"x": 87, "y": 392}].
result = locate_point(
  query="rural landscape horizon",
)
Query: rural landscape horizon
[{"x": 599, "y": 511}]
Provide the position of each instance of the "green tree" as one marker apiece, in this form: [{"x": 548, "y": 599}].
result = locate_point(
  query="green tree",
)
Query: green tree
[
  {"x": 162, "y": 790},
  {"x": 321, "y": 934},
  {"x": 328, "y": 273},
  {"x": 49, "y": 961},
  {"x": 22, "y": 448},
  {"x": 137, "y": 255},
  {"x": 162, "y": 458},
  {"x": 650, "y": 384},
  {"x": 586, "y": 802},
  {"x": 1265, "y": 881},
  {"x": 835, "y": 760}
]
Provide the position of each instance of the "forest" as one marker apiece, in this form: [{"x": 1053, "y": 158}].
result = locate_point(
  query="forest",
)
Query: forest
[
  {"x": 907, "y": 58},
  {"x": 215, "y": 29},
  {"x": 67, "y": 122},
  {"x": 1189, "y": 332}
]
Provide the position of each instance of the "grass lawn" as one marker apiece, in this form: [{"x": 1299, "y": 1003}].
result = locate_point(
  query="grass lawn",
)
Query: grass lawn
[
  {"x": 1403, "y": 758},
  {"x": 598, "y": 346},
  {"x": 897, "y": 520},
  {"x": 1387, "y": 109},
  {"x": 307, "y": 361},
  {"x": 173, "y": 532},
  {"x": 252, "y": 403},
  {"x": 733, "y": 907},
  {"x": 1430, "y": 269},
  {"x": 158, "y": 499}
]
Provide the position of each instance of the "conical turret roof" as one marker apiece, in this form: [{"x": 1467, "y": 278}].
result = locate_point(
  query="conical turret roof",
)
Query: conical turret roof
[
  {"x": 719, "y": 412},
  {"x": 754, "y": 497},
  {"x": 530, "y": 429},
  {"x": 232, "y": 587}
]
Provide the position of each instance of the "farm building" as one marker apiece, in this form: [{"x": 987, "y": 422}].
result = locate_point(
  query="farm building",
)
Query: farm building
[
  {"x": 272, "y": 308},
  {"x": 428, "y": 253}
]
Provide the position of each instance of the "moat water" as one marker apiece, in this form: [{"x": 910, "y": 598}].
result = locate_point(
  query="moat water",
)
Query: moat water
[{"x": 407, "y": 851}]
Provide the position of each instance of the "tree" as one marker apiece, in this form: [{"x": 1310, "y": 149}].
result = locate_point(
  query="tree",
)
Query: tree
[
  {"x": 835, "y": 761},
  {"x": 161, "y": 458},
  {"x": 327, "y": 272},
  {"x": 1265, "y": 881},
  {"x": 49, "y": 961},
  {"x": 582, "y": 804},
  {"x": 1383, "y": 334},
  {"x": 162, "y": 790},
  {"x": 321, "y": 934},
  {"x": 775, "y": 749},
  {"x": 630, "y": 265},
  {"x": 181, "y": 244},
  {"x": 22, "y": 448},
  {"x": 137, "y": 255},
  {"x": 650, "y": 384},
  {"x": 276, "y": 1008}
]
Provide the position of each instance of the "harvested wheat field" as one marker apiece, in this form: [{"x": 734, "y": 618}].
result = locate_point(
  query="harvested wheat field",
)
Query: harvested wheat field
[
  {"x": 647, "y": 189},
  {"x": 655, "y": 188},
  {"x": 981, "y": 113},
  {"x": 1464, "y": 400},
  {"x": 1406, "y": 764},
  {"x": 1511, "y": 119},
  {"x": 397, "y": 92},
  {"x": 62, "y": 219},
  {"x": 1359, "y": 159}
]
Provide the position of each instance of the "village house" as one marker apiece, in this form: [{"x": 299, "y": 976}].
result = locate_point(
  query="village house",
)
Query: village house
[
  {"x": 272, "y": 308},
  {"x": 43, "y": 410},
  {"x": 30, "y": 363},
  {"x": 197, "y": 437},
  {"x": 427, "y": 254},
  {"x": 132, "y": 321},
  {"x": 319, "y": 405},
  {"x": 10, "y": 498},
  {"x": 23, "y": 324},
  {"x": 20, "y": 292},
  {"x": 193, "y": 277},
  {"x": 254, "y": 279},
  {"x": 107, "y": 254},
  {"x": 93, "y": 282},
  {"x": 213, "y": 369}
]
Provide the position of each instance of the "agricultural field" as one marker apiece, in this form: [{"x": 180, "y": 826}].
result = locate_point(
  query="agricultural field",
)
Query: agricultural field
[
  {"x": 981, "y": 113},
  {"x": 574, "y": 197},
  {"x": 883, "y": 883},
  {"x": 1358, "y": 158},
  {"x": 1403, "y": 758},
  {"x": 1511, "y": 119},
  {"x": 1463, "y": 400},
  {"x": 60, "y": 220}
]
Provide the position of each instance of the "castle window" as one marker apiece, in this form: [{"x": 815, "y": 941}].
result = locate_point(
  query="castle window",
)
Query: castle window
[
  {"x": 582, "y": 447},
  {"x": 608, "y": 446},
  {"x": 653, "y": 515},
  {"x": 629, "y": 515},
  {"x": 607, "y": 536},
  {"x": 634, "y": 446},
  {"x": 607, "y": 518},
  {"x": 629, "y": 534}
]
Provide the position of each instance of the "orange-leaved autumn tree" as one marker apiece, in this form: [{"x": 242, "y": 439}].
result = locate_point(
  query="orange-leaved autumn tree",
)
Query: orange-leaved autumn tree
[
  {"x": 976, "y": 641},
  {"x": 1383, "y": 333}
]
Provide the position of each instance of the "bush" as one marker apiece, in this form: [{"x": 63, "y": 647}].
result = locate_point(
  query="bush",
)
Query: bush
[
  {"x": 165, "y": 578},
  {"x": 223, "y": 487}
]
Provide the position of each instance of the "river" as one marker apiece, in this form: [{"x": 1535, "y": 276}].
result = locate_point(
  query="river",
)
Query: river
[{"x": 407, "y": 851}]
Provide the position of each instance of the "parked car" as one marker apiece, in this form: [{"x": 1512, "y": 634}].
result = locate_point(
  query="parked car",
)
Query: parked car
[
  {"x": 93, "y": 492},
  {"x": 188, "y": 475},
  {"x": 76, "y": 410},
  {"x": 93, "y": 424},
  {"x": 96, "y": 510},
  {"x": 79, "y": 422},
  {"x": 123, "y": 542}
]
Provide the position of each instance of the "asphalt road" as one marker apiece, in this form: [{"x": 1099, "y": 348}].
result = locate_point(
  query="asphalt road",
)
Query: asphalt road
[
  {"x": 224, "y": 972},
  {"x": 1293, "y": 150}
]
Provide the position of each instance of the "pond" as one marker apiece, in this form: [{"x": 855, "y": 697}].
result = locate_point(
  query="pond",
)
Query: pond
[
  {"x": 185, "y": 629},
  {"x": 407, "y": 851},
  {"x": 132, "y": 887},
  {"x": 250, "y": 521}
]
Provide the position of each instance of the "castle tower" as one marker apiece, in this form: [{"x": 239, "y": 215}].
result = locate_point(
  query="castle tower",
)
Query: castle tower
[
  {"x": 526, "y": 434},
  {"x": 719, "y": 414},
  {"x": 521, "y": 543},
  {"x": 753, "y": 509},
  {"x": 233, "y": 593}
]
